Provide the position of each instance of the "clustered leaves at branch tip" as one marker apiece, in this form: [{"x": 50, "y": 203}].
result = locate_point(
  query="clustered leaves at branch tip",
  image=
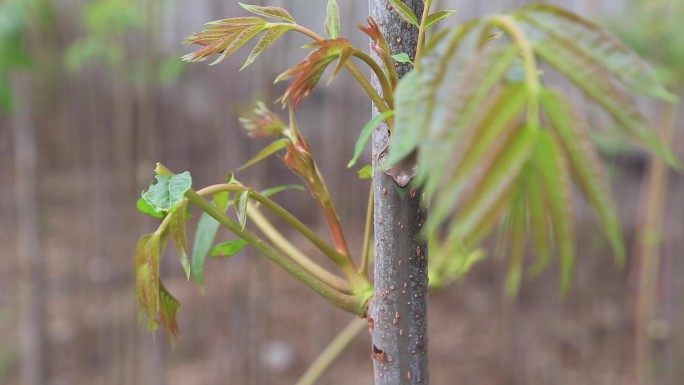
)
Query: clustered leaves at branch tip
[{"x": 478, "y": 167}]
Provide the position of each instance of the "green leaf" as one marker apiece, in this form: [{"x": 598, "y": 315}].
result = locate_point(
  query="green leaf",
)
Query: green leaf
[
  {"x": 332, "y": 20},
  {"x": 437, "y": 17},
  {"x": 268, "y": 11},
  {"x": 585, "y": 166},
  {"x": 228, "y": 249},
  {"x": 402, "y": 58},
  {"x": 555, "y": 181},
  {"x": 207, "y": 227},
  {"x": 274, "y": 190},
  {"x": 266, "y": 40},
  {"x": 266, "y": 152},
  {"x": 240, "y": 203},
  {"x": 366, "y": 133},
  {"x": 146, "y": 208},
  {"x": 366, "y": 172},
  {"x": 405, "y": 12},
  {"x": 169, "y": 191},
  {"x": 598, "y": 85},
  {"x": 177, "y": 227},
  {"x": 565, "y": 29}
]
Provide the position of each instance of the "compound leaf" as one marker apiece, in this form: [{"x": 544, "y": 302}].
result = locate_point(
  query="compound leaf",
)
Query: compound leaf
[
  {"x": 565, "y": 29},
  {"x": 266, "y": 40}
]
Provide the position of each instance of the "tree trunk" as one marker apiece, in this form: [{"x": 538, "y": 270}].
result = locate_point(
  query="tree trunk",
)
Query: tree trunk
[
  {"x": 399, "y": 310},
  {"x": 28, "y": 240}
]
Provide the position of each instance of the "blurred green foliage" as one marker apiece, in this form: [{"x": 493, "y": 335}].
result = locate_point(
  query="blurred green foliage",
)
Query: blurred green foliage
[
  {"x": 17, "y": 18},
  {"x": 654, "y": 31},
  {"x": 109, "y": 25}
]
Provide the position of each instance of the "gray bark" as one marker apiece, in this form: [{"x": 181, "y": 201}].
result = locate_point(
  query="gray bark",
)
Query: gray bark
[
  {"x": 28, "y": 241},
  {"x": 399, "y": 309}
]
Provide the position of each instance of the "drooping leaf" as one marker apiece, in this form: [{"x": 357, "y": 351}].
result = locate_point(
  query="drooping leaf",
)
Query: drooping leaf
[
  {"x": 207, "y": 227},
  {"x": 585, "y": 166},
  {"x": 555, "y": 181},
  {"x": 565, "y": 29},
  {"x": 405, "y": 12},
  {"x": 469, "y": 153},
  {"x": 308, "y": 72},
  {"x": 169, "y": 191},
  {"x": 489, "y": 188},
  {"x": 332, "y": 20},
  {"x": 269, "y": 11},
  {"x": 542, "y": 235},
  {"x": 516, "y": 244},
  {"x": 146, "y": 208},
  {"x": 147, "y": 277},
  {"x": 598, "y": 84},
  {"x": 266, "y": 40},
  {"x": 177, "y": 227},
  {"x": 450, "y": 71},
  {"x": 365, "y": 135},
  {"x": 437, "y": 17},
  {"x": 266, "y": 152},
  {"x": 228, "y": 249},
  {"x": 168, "y": 312},
  {"x": 224, "y": 37}
]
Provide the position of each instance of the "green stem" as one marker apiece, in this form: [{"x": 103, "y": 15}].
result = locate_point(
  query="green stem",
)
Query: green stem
[
  {"x": 506, "y": 23},
  {"x": 367, "y": 237},
  {"x": 352, "y": 303},
  {"x": 365, "y": 84},
  {"x": 382, "y": 77},
  {"x": 292, "y": 251},
  {"x": 421, "y": 31},
  {"x": 332, "y": 352},
  {"x": 341, "y": 260}
]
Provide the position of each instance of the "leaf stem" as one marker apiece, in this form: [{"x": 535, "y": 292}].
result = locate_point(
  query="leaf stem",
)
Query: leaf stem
[
  {"x": 421, "y": 31},
  {"x": 292, "y": 251},
  {"x": 367, "y": 237},
  {"x": 507, "y": 23},
  {"x": 382, "y": 77},
  {"x": 342, "y": 261},
  {"x": 365, "y": 84},
  {"x": 352, "y": 303}
]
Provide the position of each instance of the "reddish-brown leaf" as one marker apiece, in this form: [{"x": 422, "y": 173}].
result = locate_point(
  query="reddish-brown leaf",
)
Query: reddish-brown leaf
[{"x": 308, "y": 72}]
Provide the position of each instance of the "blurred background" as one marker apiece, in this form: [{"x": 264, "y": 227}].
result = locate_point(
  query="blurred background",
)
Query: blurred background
[{"x": 93, "y": 93}]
